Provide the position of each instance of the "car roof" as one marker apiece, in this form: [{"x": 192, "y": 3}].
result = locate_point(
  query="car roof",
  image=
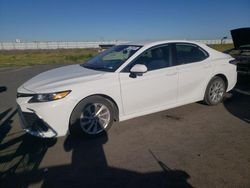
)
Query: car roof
[{"x": 149, "y": 43}]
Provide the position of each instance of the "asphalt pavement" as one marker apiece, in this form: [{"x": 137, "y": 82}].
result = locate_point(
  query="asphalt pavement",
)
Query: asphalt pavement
[{"x": 190, "y": 146}]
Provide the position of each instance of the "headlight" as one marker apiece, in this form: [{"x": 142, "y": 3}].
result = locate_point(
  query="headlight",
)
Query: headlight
[{"x": 46, "y": 97}]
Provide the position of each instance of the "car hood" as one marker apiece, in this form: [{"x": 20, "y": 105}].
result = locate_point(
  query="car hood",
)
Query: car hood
[
  {"x": 63, "y": 77},
  {"x": 241, "y": 37}
]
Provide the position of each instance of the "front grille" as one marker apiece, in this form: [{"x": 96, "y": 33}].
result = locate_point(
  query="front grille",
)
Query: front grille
[
  {"x": 243, "y": 64},
  {"x": 34, "y": 123},
  {"x": 244, "y": 67}
]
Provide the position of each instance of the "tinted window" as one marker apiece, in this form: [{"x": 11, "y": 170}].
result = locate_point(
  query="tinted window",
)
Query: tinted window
[
  {"x": 154, "y": 58},
  {"x": 188, "y": 53}
]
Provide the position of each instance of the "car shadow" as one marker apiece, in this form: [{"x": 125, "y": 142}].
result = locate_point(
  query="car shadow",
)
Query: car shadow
[
  {"x": 3, "y": 114},
  {"x": 19, "y": 155},
  {"x": 89, "y": 168},
  {"x": 239, "y": 103},
  {"x": 5, "y": 122}
]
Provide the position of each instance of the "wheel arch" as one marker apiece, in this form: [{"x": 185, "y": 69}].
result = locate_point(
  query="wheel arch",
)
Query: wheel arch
[
  {"x": 223, "y": 77},
  {"x": 220, "y": 75},
  {"x": 114, "y": 104},
  {"x": 110, "y": 99}
]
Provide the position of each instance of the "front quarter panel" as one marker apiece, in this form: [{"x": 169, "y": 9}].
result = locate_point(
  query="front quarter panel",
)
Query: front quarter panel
[{"x": 108, "y": 85}]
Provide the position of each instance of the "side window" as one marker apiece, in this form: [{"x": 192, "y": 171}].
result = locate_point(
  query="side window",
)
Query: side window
[
  {"x": 188, "y": 53},
  {"x": 154, "y": 58}
]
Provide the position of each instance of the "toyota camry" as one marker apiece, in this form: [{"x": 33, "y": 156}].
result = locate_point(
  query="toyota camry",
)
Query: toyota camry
[{"x": 121, "y": 83}]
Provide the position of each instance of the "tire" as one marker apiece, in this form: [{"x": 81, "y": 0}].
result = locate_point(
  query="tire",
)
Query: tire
[
  {"x": 91, "y": 117},
  {"x": 215, "y": 91}
]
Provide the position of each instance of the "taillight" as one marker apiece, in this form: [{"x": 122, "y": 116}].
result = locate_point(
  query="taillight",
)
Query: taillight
[{"x": 234, "y": 61}]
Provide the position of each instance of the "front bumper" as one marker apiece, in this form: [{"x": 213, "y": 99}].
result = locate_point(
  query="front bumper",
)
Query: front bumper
[
  {"x": 34, "y": 125},
  {"x": 45, "y": 119}
]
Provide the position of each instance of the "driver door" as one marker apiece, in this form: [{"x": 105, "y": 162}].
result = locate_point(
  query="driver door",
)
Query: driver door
[{"x": 154, "y": 89}]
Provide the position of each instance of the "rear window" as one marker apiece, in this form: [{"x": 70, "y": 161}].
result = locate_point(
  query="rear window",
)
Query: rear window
[{"x": 190, "y": 53}]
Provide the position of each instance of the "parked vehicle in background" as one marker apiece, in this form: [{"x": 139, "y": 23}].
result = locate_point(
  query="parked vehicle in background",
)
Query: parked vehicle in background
[
  {"x": 241, "y": 50},
  {"x": 121, "y": 83}
]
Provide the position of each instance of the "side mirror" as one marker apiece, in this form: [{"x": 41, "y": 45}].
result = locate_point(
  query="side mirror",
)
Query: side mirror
[{"x": 138, "y": 70}]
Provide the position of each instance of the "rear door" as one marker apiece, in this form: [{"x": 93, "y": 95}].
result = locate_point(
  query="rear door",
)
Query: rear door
[{"x": 194, "y": 70}]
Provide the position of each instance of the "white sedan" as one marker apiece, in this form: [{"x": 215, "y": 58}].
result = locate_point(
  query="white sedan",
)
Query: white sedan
[{"x": 121, "y": 83}]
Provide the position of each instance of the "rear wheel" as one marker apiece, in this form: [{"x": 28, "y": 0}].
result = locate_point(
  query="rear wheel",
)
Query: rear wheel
[
  {"x": 92, "y": 117},
  {"x": 215, "y": 91}
]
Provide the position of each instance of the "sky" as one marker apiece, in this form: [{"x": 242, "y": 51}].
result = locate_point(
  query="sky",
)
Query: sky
[{"x": 95, "y": 20}]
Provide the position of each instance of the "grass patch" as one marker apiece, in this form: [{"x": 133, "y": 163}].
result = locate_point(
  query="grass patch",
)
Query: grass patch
[
  {"x": 222, "y": 47},
  {"x": 19, "y": 58},
  {"x": 36, "y": 57}
]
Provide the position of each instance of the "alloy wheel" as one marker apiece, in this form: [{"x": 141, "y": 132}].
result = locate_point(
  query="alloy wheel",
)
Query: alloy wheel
[
  {"x": 95, "y": 118},
  {"x": 216, "y": 91}
]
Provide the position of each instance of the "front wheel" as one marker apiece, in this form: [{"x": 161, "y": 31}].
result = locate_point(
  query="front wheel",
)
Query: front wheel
[
  {"x": 215, "y": 91},
  {"x": 92, "y": 117}
]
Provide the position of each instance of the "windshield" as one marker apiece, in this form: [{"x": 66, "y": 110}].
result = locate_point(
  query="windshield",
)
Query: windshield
[{"x": 111, "y": 59}]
